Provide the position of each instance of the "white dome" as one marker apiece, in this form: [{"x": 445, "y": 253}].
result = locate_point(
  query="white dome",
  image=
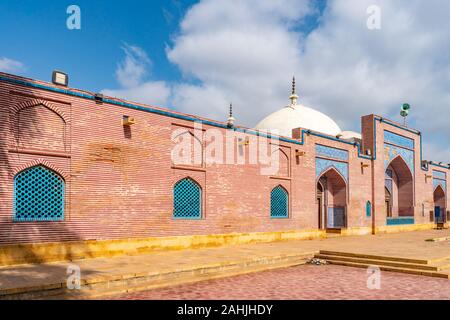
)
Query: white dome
[
  {"x": 349, "y": 135},
  {"x": 298, "y": 116}
]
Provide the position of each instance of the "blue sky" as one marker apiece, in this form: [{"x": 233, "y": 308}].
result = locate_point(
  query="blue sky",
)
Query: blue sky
[
  {"x": 89, "y": 55},
  {"x": 198, "y": 56}
]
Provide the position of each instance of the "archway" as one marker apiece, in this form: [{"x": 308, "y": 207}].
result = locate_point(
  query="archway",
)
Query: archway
[
  {"x": 388, "y": 202},
  {"x": 399, "y": 189},
  {"x": 439, "y": 205},
  {"x": 333, "y": 201},
  {"x": 320, "y": 205}
]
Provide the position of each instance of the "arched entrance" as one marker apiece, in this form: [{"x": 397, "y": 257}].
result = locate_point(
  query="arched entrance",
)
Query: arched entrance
[
  {"x": 388, "y": 202},
  {"x": 319, "y": 201},
  {"x": 439, "y": 205},
  {"x": 399, "y": 189},
  {"x": 332, "y": 200}
]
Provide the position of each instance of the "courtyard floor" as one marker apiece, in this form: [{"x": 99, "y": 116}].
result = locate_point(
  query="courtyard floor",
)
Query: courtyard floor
[
  {"x": 307, "y": 282},
  {"x": 324, "y": 281}
]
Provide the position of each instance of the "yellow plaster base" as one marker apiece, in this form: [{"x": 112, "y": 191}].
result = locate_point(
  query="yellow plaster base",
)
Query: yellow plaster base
[
  {"x": 404, "y": 228},
  {"x": 356, "y": 231},
  {"x": 66, "y": 251}
]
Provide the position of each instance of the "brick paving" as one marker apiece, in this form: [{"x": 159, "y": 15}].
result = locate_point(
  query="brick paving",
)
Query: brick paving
[
  {"x": 408, "y": 245},
  {"x": 307, "y": 282}
]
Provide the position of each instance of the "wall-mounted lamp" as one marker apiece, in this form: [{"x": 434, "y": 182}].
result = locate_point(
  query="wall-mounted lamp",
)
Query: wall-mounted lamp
[
  {"x": 364, "y": 165},
  {"x": 245, "y": 142},
  {"x": 98, "y": 97},
  {"x": 128, "y": 121},
  {"x": 60, "y": 78},
  {"x": 299, "y": 153}
]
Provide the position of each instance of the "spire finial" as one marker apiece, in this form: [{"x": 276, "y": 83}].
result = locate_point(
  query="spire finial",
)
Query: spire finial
[
  {"x": 293, "y": 85},
  {"x": 293, "y": 96},
  {"x": 231, "y": 119}
]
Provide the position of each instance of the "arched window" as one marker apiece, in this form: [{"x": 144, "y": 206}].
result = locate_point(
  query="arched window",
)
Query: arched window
[
  {"x": 187, "y": 199},
  {"x": 279, "y": 203},
  {"x": 38, "y": 195},
  {"x": 368, "y": 209}
]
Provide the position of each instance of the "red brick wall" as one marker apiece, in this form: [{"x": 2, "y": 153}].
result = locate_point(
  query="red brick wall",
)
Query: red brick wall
[
  {"x": 119, "y": 179},
  {"x": 422, "y": 201}
]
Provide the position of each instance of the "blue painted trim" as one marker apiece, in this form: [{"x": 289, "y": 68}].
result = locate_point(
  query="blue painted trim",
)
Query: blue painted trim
[
  {"x": 439, "y": 175},
  {"x": 179, "y": 116},
  {"x": 331, "y": 152},
  {"x": 399, "y": 221},
  {"x": 224, "y": 126},
  {"x": 439, "y": 165},
  {"x": 408, "y": 130},
  {"x": 187, "y": 218}
]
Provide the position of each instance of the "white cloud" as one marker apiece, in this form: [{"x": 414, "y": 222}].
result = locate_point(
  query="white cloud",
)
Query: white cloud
[
  {"x": 12, "y": 66},
  {"x": 437, "y": 151},
  {"x": 246, "y": 52},
  {"x": 130, "y": 74},
  {"x": 131, "y": 71},
  {"x": 242, "y": 52},
  {"x": 154, "y": 93},
  {"x": 349, "y": 70}
]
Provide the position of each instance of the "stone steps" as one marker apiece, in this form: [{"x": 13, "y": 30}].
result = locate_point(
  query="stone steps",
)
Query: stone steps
[
  {"x": 381, "y": 262},
  {"x": 104, "y": 285},
  {"x": 394, "y": 264}
]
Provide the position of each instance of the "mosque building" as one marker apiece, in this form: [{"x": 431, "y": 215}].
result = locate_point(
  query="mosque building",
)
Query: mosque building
[{"x": 77, "y": 167}]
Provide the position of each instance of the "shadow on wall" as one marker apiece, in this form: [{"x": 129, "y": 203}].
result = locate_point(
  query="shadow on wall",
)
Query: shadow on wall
[
  {"x": 13, "y": 254},
  {"x": 25, "y": 265}
]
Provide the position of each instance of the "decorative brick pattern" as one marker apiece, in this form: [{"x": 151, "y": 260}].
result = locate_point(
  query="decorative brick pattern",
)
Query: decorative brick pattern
[
  {"x": 332, "y": 153},
  {"x": 306, "y": 282},
  {"x": 439, "y": 179},
  {"x": 439, "y": 175},
  {"x": 439, "y": 182},
  {"x": 36, "y": 102},
  {"x": 391, "y": 152},
  {"x": 323, "y": 165},
  {"x": 399, "y": 140},
  {"x": 40, "y": 161}
]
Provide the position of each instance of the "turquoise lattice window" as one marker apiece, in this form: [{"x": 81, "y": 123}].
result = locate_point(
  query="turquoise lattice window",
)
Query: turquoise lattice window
[
  {"x": 38, "y": 195},
  {"x": 279, "y": 203},
  {"x": 187, "y": 200}
]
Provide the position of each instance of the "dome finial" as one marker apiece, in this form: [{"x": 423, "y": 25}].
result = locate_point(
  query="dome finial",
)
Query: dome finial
[
  {"x": 293, "y": 96},
  {"x": 293, "y": 85},
  {"x": 231, "y": 119}
]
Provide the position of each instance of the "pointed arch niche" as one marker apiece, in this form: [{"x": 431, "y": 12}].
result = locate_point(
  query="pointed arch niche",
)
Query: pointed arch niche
[
  {"x": 331, "y": 186},
  {"x": 38, "y": 124},
  {"x": 188, "y": 148},
  {"x": 332, "y": 200},
  {"x": 440, "y": 196},
  {"x": 399, "y": 189}
]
